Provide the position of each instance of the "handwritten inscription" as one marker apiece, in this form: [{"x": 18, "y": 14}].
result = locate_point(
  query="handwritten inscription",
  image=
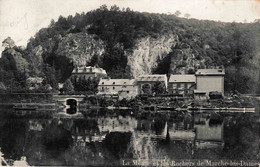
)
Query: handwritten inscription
[{"x": 22, "y": 22}]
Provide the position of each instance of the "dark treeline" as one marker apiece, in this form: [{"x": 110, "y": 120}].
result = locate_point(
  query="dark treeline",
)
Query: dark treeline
[{"x": 233, "y": 45}]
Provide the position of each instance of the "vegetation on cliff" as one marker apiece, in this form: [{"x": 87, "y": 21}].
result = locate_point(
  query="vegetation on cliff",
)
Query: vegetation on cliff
[{"x": 107, "y": 37}]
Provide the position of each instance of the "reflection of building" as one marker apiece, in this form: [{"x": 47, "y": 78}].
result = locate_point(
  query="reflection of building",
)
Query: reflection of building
[
  {"x": 117, "y": 124},
  {"x": 183, "y": 130},
  {"x": 146, "y": 83},
  {"x": 209, "y": 134},
  {"x": 209, "y": 80},
  {"x": 35, "y": 125},
  {"x": 181, "y": 84},
  {"x": 34, "y": 82},
  {"x": 84, "y": 73},
  {"x": 123, "y": 87}
]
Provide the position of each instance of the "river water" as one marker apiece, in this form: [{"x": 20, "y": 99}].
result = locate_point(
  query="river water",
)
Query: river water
[{"x": 125, "y": 139}]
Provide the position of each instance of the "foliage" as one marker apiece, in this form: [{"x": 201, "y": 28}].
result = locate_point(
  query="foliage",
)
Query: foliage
[
  {"x": 146, "y": 89},
  {"x": 207, "y": 43},
  {"x": 88, "y": 86},
  {"x": 159, "y": 88},
  {"x": 68, "y": 87}
]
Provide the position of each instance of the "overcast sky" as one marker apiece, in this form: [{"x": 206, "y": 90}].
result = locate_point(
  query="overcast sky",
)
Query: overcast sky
[{"x": 21, "y": 19}]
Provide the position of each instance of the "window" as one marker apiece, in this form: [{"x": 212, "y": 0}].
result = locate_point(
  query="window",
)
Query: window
[
  {"x": 182, "y": 86},
  {"x": 113, "y": 88},
  {"x": 102, "y": 88},
  {"x": 113, "y": 83},
  {"x": 174, "y": 86},
  {"x": 127, "y": 91},
  {"x": 102, "y": 83}
]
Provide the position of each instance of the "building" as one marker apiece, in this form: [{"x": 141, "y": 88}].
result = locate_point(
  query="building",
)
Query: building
[
  {"x": 182, "y": 84},
  {"x": 210, "y": 80},
  {"x": 34, "y": 82},
  {"x": 146, "y": 83},
  {"x": 84, "y": 73},
  {"x": 123, "y": 87}
]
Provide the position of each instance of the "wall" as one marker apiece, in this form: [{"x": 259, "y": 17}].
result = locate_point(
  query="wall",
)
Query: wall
[
  {"x": 85, "y": 76},
  {"x": 151, "y": 83},
  {"x": 210, "y": 83},
  {"x": 114, "y": 89},
  {"x": 181, "y": 88}
]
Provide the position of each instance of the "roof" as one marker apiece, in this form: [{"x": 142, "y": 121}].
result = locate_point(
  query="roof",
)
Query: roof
[
  {"x": 155, "y": 77},
  {"x": 89, "y": 69},
  {"x": 182, "y": 78},
  {"x": 199, "y": 92},
  {"x": 210, "y": 72},
  {"x": 116, "y": 82}
]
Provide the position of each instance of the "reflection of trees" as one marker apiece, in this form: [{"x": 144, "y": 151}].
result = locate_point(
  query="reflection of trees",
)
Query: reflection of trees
[
  {"x": 12, "y": 139},
  {"x": 117, "y": 143},
  {"x": 56, "y": 139},
  {"x": 241, "y": 139}
]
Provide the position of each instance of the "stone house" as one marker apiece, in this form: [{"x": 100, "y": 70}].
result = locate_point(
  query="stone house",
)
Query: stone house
[
  {"x": 182, "y": 85},
  {"x": 125, "y": 88},
  {"x": 146, "y": 83},
  {"x": 89, "y": 72}
]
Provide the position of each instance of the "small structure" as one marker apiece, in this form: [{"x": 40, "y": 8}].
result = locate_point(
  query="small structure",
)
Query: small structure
[
  {"x": 69, "y": 104},
  {"x": 146, "y": 83},
  {"x": 34, "y": 82},
  {"x": 210, "y": 80},
  {"x": 84, "y": 73},
  {"x": 200, "y": 95},
  {"x": 182, "y": 85},
  {"x": 125, "y": 88}
]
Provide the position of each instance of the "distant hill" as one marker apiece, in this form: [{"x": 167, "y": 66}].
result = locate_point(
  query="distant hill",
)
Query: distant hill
[{"x": 127, "y": 43}]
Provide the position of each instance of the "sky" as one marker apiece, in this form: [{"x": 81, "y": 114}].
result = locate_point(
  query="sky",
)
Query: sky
[{"x": 21, "y": 19}]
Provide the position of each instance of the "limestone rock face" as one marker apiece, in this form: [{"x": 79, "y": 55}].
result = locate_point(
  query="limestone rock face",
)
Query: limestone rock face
[
  {"x": 183, "y": 61},
  {"x": 148, "y": 52},
  {"x": 80, "y": 48},
  {"x": 35, "y": 60}
]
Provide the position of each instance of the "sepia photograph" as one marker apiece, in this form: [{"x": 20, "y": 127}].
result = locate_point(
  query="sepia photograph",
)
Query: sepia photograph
[{"x": 168, "y": 83}]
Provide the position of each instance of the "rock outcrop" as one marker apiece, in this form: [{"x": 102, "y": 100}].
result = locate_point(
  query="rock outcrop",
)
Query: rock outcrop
[
  {"x": 148, "y": 52},
  {"x": 80, "y": 48}
]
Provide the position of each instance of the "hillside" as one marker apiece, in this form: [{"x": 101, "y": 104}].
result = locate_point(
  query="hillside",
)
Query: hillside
[{"x": 127, "y": 43}]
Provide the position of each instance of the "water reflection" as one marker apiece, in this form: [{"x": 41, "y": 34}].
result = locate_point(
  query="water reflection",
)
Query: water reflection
[{"x": 105, "y": 140}]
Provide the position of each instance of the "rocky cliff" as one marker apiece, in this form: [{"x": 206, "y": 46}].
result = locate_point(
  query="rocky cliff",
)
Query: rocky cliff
[
  {"x": 148, "y": 52},
  {"x": 80, "y": 48},
  {"x": 127, "y": 44}
]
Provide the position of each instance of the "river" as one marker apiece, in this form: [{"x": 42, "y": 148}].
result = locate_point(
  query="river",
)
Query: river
[{"x": 125, "y": 139}]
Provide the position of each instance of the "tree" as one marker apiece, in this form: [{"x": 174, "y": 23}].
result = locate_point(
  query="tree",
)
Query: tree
[
  {"x": 8, "y": 43},
  {"x": 158, "y": 88},
  {"x": 68, "y": 87},
  {"x": 177, "y": 13},
  {"x": 146, "y": 88},
  {"x": 187, "y": 15}
]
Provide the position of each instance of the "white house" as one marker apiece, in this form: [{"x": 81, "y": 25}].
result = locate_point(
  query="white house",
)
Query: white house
[
  {"x": 210, "y": 80},
  {"x": 121, "y": 87},
  {"x": 145, "y": 83}
]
